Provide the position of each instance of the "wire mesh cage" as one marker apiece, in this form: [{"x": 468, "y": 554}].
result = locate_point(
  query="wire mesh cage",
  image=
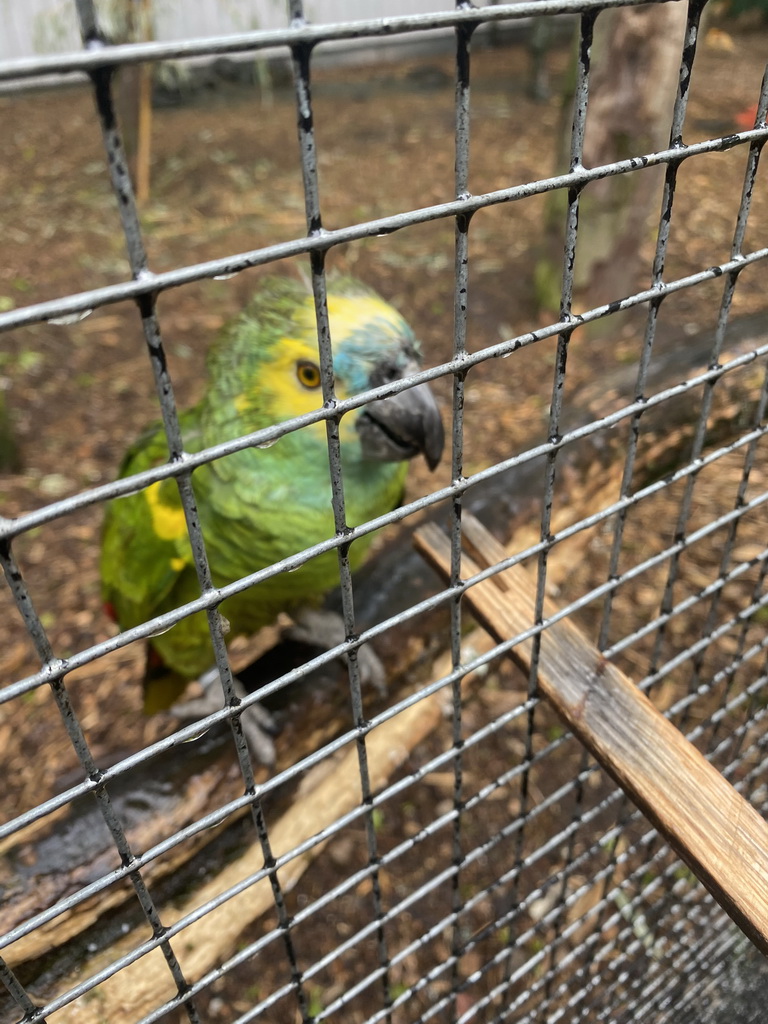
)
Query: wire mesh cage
[{"x": 447, "y": 849}]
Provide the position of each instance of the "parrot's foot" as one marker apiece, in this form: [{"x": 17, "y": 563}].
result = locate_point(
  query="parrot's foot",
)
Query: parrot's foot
[
  {"x": 322, "y": 628},
  {"x": 312, "y": 627},
  {"x": 258, "y": 724}
]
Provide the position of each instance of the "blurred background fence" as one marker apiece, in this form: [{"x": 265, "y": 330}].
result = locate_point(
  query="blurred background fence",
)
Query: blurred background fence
[{"x": 575, "y": 222}]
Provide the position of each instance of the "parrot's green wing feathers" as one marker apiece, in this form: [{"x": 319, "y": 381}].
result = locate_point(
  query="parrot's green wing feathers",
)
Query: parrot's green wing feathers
[
  {"x": 145, "y": 544},
  {"x": 147, "y": 566},
  {"x": 259, "y": 506}
]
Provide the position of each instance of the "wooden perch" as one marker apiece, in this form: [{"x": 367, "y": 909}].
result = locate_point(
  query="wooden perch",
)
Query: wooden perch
[{"x": 713, "y": 828}]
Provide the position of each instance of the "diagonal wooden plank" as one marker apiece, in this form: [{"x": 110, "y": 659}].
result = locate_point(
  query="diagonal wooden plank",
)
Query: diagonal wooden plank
[{"x": 712, "y": 827}]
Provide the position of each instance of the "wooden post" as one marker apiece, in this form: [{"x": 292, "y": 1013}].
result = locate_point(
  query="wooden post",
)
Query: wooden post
[
  {"x": 144, "y": 135},
  {"x": 134, "y": 98}
]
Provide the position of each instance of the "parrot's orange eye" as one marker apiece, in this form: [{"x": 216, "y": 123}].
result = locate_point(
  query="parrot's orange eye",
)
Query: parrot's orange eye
[{"x": 308, "y": 373}]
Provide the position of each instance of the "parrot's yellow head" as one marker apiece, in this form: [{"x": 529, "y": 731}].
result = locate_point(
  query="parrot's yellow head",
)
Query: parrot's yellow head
[{"x": 267, "y": 370}]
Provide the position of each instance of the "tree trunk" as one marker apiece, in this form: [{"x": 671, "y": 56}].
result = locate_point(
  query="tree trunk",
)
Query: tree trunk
[{"x": 633, "y": 81}]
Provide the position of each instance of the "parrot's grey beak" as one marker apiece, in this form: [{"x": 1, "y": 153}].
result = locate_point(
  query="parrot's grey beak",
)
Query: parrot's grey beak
[{"x": 402, "y": 426}]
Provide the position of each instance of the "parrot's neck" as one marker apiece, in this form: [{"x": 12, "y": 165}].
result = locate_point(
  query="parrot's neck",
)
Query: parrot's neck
[{"x": 298, "y": 464}]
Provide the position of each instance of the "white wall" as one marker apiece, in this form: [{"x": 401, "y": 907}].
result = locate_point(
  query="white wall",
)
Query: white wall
[{"x": 29, "y": 27}]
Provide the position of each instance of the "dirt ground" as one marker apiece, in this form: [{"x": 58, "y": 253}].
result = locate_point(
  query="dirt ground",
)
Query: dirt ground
[{"x": 225, "y": 178}]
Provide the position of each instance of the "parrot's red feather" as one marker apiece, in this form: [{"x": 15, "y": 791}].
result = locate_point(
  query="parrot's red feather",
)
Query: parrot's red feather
[{"x": 745, "y": 119}]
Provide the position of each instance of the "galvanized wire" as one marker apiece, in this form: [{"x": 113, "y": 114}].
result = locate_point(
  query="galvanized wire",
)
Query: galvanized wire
[
  {"x": 662, "y": 240},
  {"x": 301, "y": 71},
  {"x": 300, "y": 33},
  {"x": 154, "y": 283},
  {"x": 476, "y": 663},
  {"x": 631, "y": 951},
  {"x": 730, "y": 285}
]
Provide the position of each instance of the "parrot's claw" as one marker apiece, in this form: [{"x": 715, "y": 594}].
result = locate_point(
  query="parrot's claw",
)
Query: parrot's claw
[
  {"x": 325, "y": 629},
  {"x": 258, "y": 724}
]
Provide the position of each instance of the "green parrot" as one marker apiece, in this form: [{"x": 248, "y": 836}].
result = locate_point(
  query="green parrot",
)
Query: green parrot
[{"x": 260, "y": 505}]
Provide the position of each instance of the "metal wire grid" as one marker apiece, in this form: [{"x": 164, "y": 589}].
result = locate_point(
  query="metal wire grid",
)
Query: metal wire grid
[{"x": 612, "y": 969}]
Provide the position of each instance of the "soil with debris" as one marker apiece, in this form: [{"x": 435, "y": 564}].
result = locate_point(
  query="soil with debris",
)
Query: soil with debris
[{"x": 226, "y": 178}]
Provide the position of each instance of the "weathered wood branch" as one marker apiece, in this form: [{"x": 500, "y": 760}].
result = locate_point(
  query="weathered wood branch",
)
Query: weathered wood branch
[{"x": 323, "y": 797}]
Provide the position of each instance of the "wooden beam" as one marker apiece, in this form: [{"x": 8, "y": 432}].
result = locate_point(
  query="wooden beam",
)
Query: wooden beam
[{"x": 719, "y": 835}]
